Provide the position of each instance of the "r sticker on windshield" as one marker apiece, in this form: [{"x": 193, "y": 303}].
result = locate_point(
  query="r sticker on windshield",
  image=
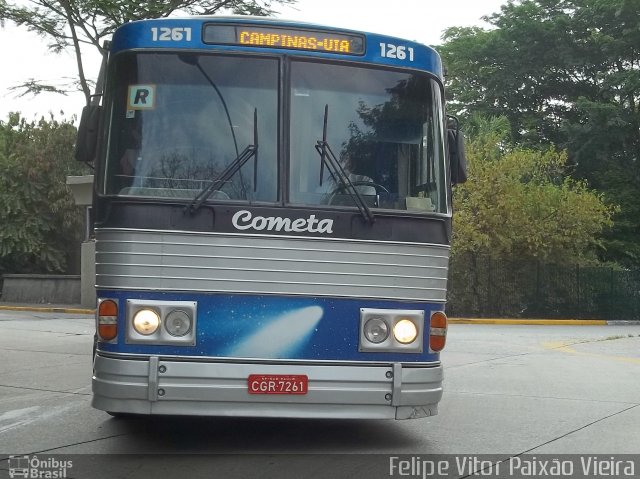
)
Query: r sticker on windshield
[{"x": 141, "y": 97}]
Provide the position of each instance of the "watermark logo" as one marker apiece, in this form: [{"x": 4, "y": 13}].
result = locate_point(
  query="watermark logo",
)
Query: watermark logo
[
  {"x": 516, "y": 467},
  {"x": 33, "y": 467}
]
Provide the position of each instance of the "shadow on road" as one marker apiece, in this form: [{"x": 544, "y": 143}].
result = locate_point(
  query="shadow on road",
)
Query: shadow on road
[{"x": 194, "y": 435}]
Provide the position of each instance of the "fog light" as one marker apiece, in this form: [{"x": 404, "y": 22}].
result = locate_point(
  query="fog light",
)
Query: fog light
[
  {"x": 146, "y": 322},
  {"x": 405, "y": 331},
  {"x": 376, "y": 330},
  {"x": 177, "y": 323}
]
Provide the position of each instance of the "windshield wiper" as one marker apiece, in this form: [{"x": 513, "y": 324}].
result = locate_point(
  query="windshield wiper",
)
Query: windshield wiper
[
  {"x": 251, "y": 151},
  {"x": 328, "y": 158}
]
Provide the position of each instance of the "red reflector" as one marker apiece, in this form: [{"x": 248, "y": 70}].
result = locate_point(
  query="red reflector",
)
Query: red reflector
[
  {"x": 107, "y": 331},
  {"x": 437, "y": 343}
]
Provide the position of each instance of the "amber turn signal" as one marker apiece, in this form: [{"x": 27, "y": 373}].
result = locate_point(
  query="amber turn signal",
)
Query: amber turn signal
[
  {"x": 107, "y": 320},
  {"x": 438, "y": 331}
]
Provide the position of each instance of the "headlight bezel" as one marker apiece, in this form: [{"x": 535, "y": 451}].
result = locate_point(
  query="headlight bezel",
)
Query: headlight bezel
[
  {"x": 391, "y": 318},
  {"x": 161, "y": 335}
]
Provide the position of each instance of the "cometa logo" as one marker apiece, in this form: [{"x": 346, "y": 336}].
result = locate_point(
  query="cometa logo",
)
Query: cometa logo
[{"x": 244, "y": 220}]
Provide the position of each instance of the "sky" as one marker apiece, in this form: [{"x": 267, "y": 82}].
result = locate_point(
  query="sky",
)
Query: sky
[{"x": 24, "y": 55}]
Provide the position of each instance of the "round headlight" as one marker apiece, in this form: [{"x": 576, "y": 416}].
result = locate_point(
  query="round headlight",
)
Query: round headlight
[
  {"x": 405, "y": 331},
  {"x": 146, "y": 321},
  {"x": 177, "y": 323},
  {"x": 376, "y": 330}
]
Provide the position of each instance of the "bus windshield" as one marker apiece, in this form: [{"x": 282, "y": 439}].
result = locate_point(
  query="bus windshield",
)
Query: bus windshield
[
  {"x": 179, "y": 120},
  {"x": 385, "y": 129}
]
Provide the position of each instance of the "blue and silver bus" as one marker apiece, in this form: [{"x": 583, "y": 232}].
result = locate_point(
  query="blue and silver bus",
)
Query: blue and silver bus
[{"x": 272, "y": 216}]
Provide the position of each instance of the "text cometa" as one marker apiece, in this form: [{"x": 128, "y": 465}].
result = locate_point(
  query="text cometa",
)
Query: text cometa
[{"x": 244, "y": 220}]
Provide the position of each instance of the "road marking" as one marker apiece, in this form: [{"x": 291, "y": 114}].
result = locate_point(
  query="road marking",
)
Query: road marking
[
  {"x": 25, "y": 416},
  {"x": 19, "y": 416},
  {"x": 565, "y": 347}
]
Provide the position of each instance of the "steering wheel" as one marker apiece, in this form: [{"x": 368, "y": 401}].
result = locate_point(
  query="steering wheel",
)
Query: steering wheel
[{"x": 377, "y": 186}]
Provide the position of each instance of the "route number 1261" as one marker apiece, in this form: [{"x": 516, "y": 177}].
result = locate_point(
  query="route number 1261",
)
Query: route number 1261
[
  {"x": 389, "y": 50},
  {"x": 170, "y": 34}
]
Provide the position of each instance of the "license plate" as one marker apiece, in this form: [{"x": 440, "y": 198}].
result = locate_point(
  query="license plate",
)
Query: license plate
[{"x": 278, "y": 384}]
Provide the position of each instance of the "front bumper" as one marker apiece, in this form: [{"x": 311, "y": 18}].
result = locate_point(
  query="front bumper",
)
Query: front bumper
[{"x": 155, "y": 385}]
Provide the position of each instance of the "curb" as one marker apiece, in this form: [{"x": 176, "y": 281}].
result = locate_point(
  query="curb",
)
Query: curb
[
  {"x": 48, "y": 309},
  {"x": 536, "y": 322}
]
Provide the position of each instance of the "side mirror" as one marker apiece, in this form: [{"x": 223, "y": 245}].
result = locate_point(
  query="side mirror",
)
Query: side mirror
[
  {"x": 457, "y": 157},
  {"x": 87, "y": 141}
]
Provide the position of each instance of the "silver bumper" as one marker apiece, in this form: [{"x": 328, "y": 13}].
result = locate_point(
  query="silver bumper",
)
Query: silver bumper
[{"x": 160, "y": 386}]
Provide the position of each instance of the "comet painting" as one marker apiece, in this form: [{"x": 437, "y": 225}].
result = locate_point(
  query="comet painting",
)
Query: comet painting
[{"x": 281, "y": 336}]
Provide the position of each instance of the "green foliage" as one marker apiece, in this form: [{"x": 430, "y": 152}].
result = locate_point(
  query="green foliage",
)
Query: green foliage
[
  {"x": 69, "y": 24},
  {"x": 567, "y": 73},
  {"x": 520, "y": 203},
  {"x": 523, "y": 287},
  {"x": 40, "y": 222}
]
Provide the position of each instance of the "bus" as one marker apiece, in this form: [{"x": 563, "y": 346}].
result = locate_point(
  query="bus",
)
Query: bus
[{"x": 272, "y": 220}]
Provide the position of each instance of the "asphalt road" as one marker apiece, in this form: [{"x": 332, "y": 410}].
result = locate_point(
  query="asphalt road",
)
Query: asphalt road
[{"x": 509, "y": 390}]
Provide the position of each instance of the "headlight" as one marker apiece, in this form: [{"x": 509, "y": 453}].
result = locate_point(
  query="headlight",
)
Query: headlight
[
  {"x": 405, "y": 331},
  {"x": 146, "y": 322},
  {"x": 376, "y": 330},
  {"x": 177, "y": 323}
]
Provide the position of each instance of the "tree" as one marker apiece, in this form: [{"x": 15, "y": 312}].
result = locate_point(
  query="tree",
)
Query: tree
[
  {"x": 41, "y": 226},
  {"x": 518, "y": 215},
  {"x": 563, "y": 72},
  {"x": 71, "y": 24},
  {"x": 520, "y": 202}
]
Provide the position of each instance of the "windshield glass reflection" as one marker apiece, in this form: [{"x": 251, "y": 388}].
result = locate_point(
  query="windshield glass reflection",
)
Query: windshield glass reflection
[
  {"x": 178, "y": 121},
  {"x": 386, "y": 128}
]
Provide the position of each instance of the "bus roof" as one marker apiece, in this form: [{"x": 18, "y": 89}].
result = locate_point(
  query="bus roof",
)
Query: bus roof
[{"x": 275, "y": 36}]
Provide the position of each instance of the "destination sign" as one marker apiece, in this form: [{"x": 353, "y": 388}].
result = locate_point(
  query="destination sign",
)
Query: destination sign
[{"x": 289, "y": 38}]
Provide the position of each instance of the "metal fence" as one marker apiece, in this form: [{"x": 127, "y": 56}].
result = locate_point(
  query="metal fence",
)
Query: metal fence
[{"x": 484, "y": 287}]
